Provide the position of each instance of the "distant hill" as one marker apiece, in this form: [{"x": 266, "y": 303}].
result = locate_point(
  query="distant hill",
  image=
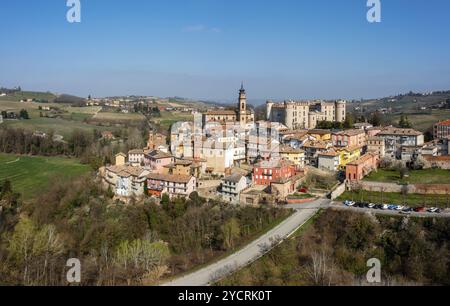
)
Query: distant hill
[
  {"x": 43, "y": 97},
  {"x": 69, "y": 99},
  {"x": 14, "y": 95},
  {"x": 405, "y": 102}
]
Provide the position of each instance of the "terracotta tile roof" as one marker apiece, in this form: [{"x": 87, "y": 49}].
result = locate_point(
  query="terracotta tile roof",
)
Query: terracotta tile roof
[
  {"x": 234, "y": 178},
  {"x": 289, "y": 149},
  {"x": 401, "y": 132},
  {"x": 126, "y": 170},
  {"x": 443, "y": 123},
  {"x": 438, "y": 158},
  {"x": 136, "y": 151},
  {"x": 182, "y": 179},
  {"x": 221, "y": 112},
  {"x": 363, "y": 159},
  {"x": 274, "y": 163},
  {"x": 331, "y": 153},
  {"x": 319, "y": 132},
  {"x": 316, "y": 144},
  {"x": 353, "y": 132},
  {"x": 156, "y": 154}
]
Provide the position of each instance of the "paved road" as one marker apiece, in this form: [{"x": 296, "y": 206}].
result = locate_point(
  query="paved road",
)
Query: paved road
[{"x": 254, "y": 250}]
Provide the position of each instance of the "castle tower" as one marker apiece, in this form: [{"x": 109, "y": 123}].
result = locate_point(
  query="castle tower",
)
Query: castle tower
[
  {"x": 269, "y": 105},
  {"x": 341, "y": 112},
  {"x": 242, "y": 113},
  {"x": 289, "y": 114}
]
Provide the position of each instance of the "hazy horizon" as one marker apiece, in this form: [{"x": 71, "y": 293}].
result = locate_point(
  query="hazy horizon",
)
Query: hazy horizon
[{"x": 203, "y": 49}]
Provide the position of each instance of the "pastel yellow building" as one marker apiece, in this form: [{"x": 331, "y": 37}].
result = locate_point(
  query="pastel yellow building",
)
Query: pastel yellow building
[
  {"x": 348, "y": 155},
  {"x": 323, "y": 135},
  {"x": 296, "y": 156}
]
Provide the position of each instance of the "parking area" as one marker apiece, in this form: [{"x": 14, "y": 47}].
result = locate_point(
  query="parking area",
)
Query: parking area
[{"x": 392, "y": 209}]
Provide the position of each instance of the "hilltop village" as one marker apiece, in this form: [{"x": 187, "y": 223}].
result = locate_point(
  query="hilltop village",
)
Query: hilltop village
[{"x": 227, "y": 155}]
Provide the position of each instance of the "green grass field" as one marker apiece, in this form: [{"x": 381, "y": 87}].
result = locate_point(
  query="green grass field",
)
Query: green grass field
[
  {"x": 412, "y": 200},
  {"x": 428, "y": 176},
  {"x": 112, "y": 117},
  {"x": 423, "y": 121},
  {"x": 59, "y": 126},
  {"x": 71, "y": 118},
  {"x": 31, "y": 175},
  {"x": 168, "y": 118}
]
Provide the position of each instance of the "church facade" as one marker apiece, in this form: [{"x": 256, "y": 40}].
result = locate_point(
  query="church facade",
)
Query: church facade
[{"x": 241, "y": 115}]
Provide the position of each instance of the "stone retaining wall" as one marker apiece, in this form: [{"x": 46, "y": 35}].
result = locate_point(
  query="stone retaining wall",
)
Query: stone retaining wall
[{"x": 393, "y": 187}]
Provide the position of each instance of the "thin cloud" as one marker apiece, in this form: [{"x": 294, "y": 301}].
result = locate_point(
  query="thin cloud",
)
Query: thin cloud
[{"x": 200, "y": 28}]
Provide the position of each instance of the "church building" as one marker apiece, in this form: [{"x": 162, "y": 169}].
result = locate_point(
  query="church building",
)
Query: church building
[{"x": 241, "y": 115}]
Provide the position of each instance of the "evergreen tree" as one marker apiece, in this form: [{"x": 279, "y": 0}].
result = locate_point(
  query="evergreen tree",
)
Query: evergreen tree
[
  {"x": 375, "y": 119},
  {"x": 349, "y": 121},
  {"x": 24, "y": 114}
]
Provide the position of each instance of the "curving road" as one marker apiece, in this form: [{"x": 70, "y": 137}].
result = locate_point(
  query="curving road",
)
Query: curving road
[{"x": 254, "y": 250}]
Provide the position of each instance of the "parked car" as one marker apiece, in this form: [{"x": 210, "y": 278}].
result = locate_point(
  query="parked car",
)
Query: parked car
[
  {"x": 361, "y": 204},
  {"x": 408, "y": 209},
  {"x": 385, "y": 207},
  {"x": 420, "y": 209},
  {"x": 392, "y": 207},
  {"x": 400, "y": 207},
  {"x": 434, "y": 210},
  {"x": 371, "y": 205}
]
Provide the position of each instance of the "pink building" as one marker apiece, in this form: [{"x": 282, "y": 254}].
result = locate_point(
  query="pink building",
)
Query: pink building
[
  {"x": 362, "y": 167},
  {"x": 350, "y": 138},
  {"x": 372, "y": 132},
  {"x": 157, "y": 160}
]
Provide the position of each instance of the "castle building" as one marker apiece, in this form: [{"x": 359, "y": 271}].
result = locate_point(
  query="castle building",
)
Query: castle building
[
  {"x": 242, "y": 115},
  {"x": 306, "y": 114}
]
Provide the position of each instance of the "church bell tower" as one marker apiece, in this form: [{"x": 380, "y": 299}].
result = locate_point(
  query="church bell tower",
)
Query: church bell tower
[{"x": 242, "y": 106}]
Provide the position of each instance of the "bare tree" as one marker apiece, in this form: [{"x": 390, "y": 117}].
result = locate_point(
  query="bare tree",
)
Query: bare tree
[{"x": 320, "y": 269}]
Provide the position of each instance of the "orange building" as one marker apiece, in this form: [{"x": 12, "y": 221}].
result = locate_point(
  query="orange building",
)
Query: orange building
[{"x": 361, "y": 167}]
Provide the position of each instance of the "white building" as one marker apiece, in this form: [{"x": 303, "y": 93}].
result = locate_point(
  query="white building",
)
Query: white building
[
  {"x": 125, "y": 180},
  {"x": 232, "y": 186},
  {"x": 136, "y": 157},
  {"x": 329, "y": 161},
  {"x": 173, "y": 185},
  {"x": 219, "y": 156},
  {"x": 401, "y": 143}
]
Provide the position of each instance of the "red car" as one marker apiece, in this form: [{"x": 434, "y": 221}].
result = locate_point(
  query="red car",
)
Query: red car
[{"x": 420, "y": 209}]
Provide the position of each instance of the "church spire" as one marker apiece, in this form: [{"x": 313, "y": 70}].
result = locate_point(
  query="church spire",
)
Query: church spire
[{"x": 242, "y": 86}]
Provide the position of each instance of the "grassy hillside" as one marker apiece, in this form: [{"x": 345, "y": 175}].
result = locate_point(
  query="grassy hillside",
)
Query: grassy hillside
[
  {"x": 17, "y": 96},
  {"x": 167, "y": 119},
  {"x": 404, "y": 103},
  {"x": 62, "y": 122},
  {"x": 424, "y": 120},
  {"x": 59, "y": 126},
  {"x": 31, "y": 175}
]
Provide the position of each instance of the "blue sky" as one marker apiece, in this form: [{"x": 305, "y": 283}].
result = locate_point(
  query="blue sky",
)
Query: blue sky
[{"x": 204, "y": 48}]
